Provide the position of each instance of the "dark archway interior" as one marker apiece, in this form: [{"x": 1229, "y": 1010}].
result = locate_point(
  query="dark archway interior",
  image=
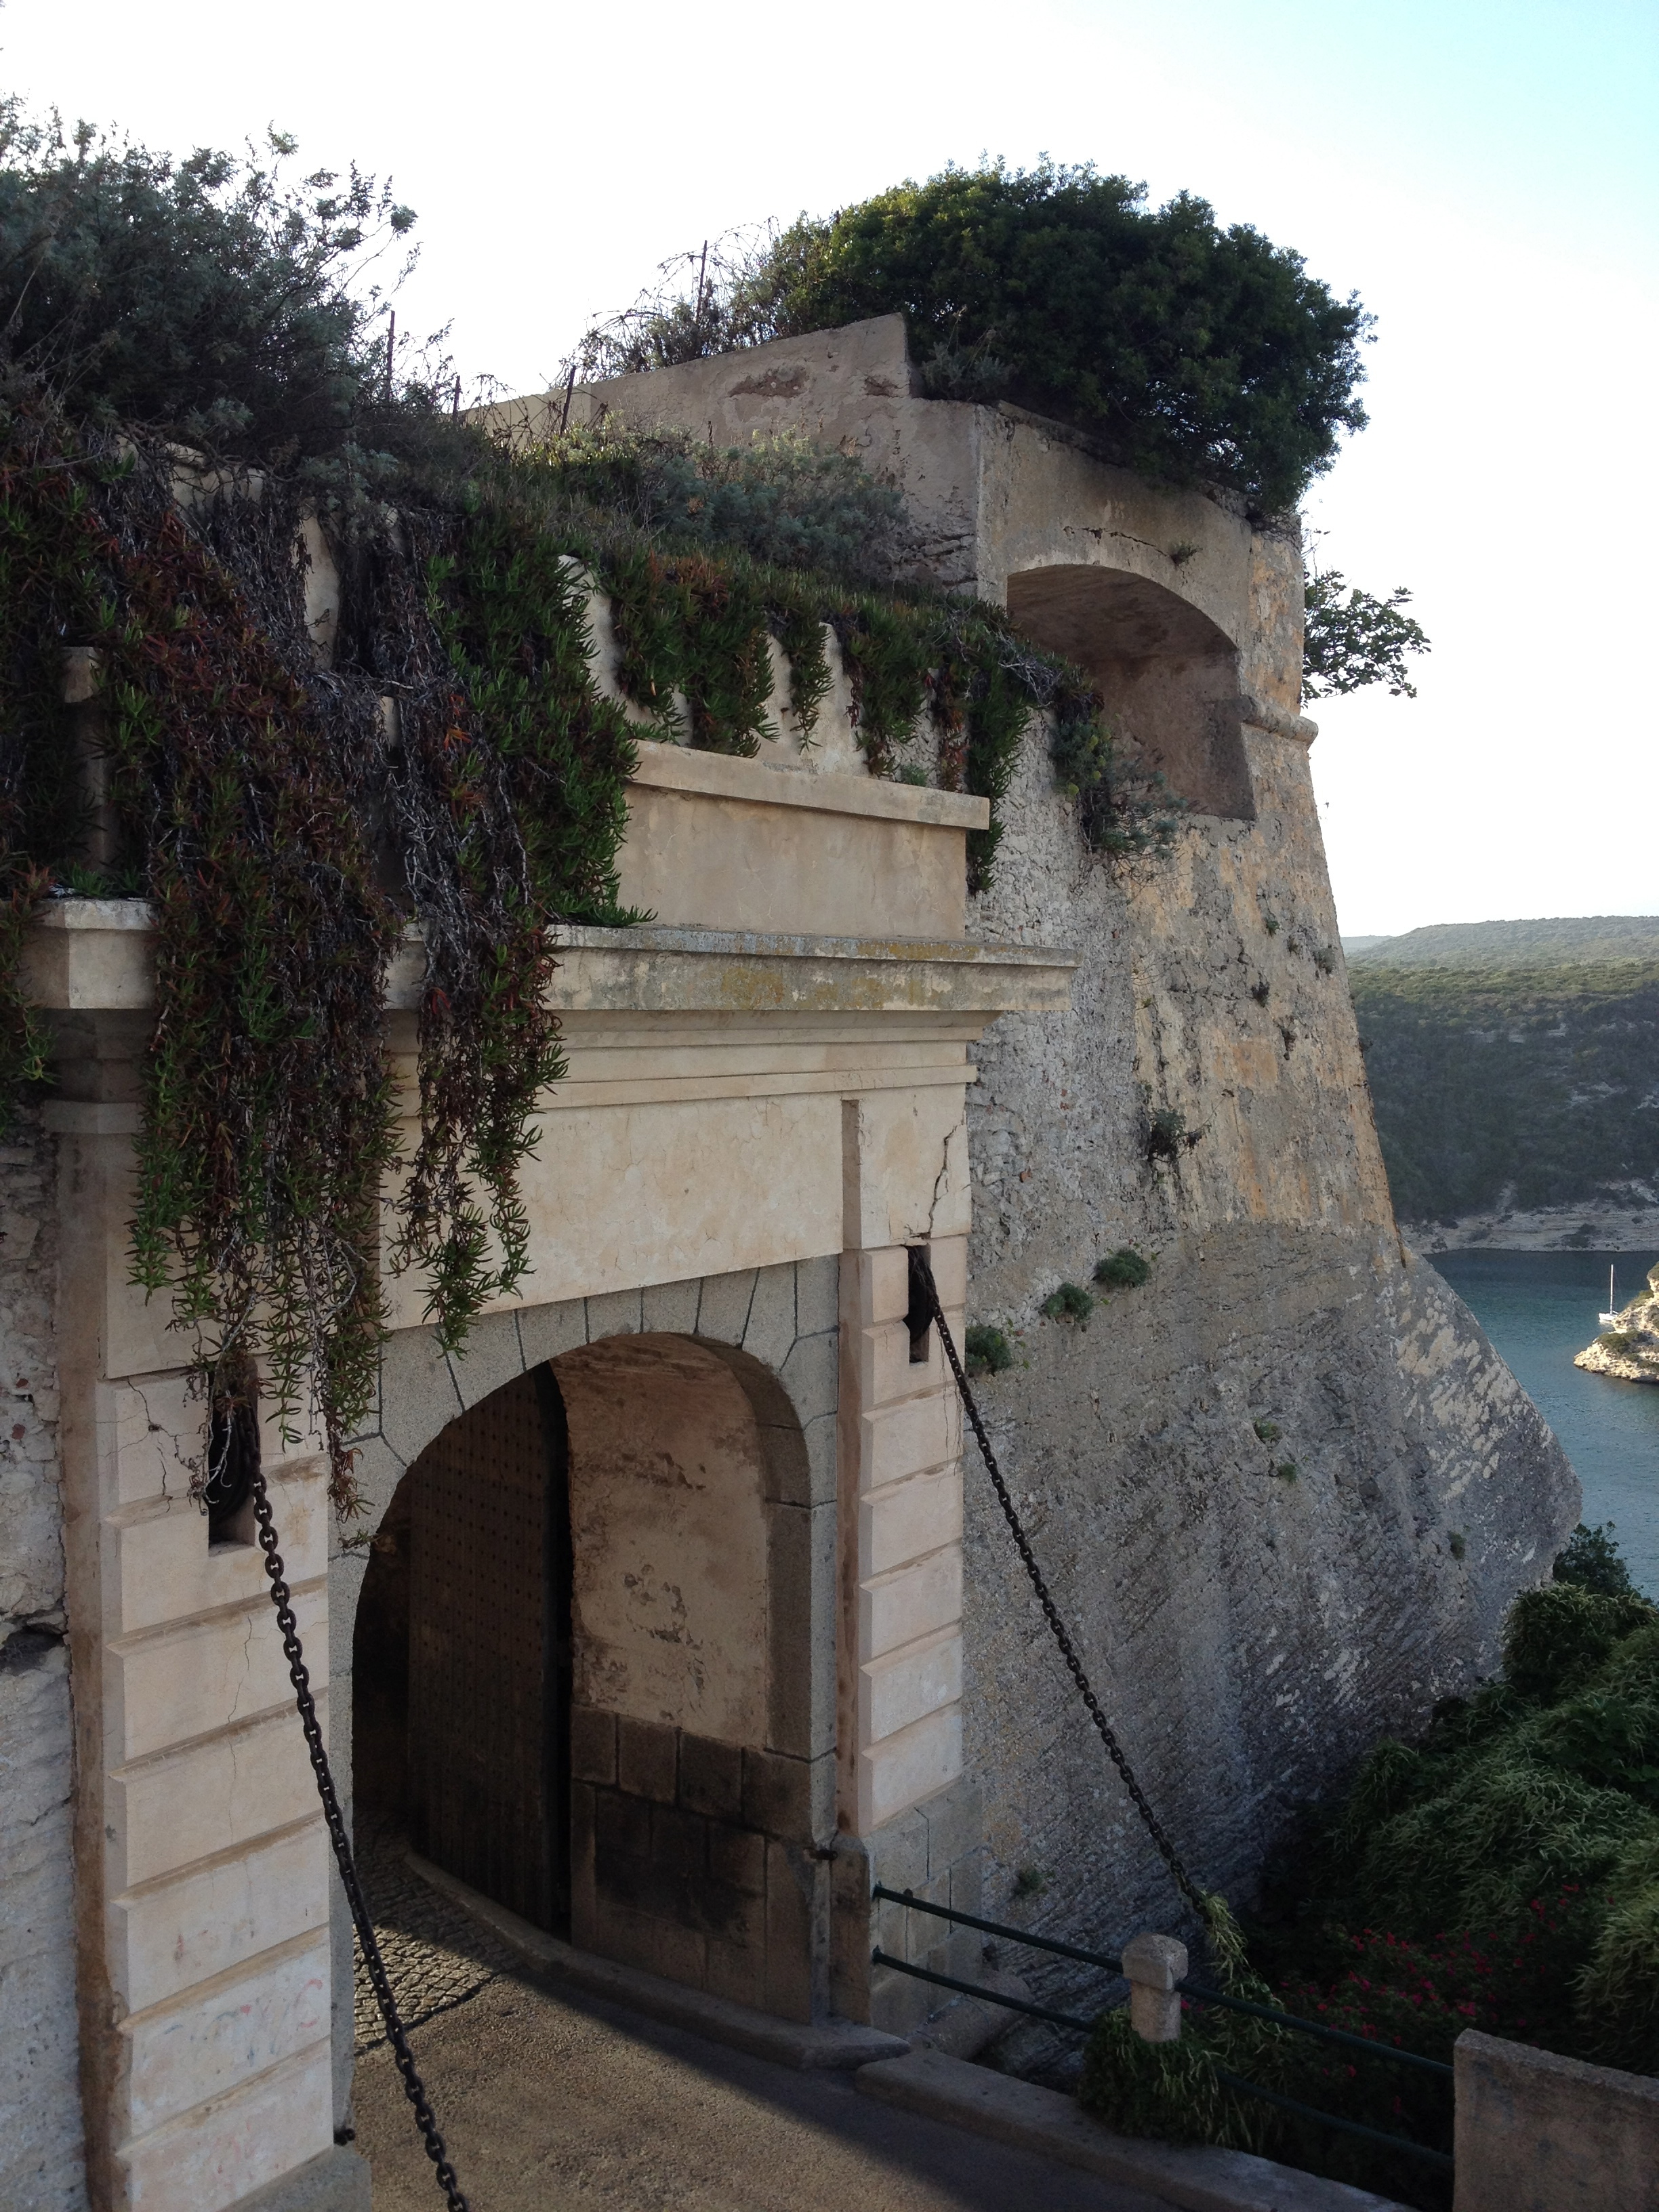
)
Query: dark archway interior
[
  {"x": 565, "y": 1686},
  {"x": 462, "y": 1652},
  {"x": 1168, "y": 674}
]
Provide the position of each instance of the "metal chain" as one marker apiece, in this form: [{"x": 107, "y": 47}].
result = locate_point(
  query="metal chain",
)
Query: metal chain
[
  {"x": 413, "y": 2087},
  {"x": 1184, "y": 1881}
]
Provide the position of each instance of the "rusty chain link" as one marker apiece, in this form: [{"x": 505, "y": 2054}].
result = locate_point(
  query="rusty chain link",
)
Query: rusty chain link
[
  {"x": 414, "y": 2088},
  {"x": 1184, "y": 1881}
]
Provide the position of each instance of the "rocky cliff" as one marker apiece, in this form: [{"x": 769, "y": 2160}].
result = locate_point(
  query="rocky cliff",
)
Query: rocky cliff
[{"x": 1285, "y": 1489}]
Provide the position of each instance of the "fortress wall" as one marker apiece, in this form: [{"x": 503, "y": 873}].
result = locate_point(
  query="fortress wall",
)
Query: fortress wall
[
  {"x": 1250, "y": 1634},
  {"x": 40, "y": 2153},
  {"x": 1253, "y": 1633}
]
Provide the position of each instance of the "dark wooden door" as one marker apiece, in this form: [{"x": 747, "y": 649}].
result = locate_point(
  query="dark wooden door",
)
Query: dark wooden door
[{"x": 489, "y": 1650}]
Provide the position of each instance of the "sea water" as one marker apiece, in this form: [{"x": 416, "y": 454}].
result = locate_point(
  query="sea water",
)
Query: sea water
[{"x": 1540, "y": 1308}]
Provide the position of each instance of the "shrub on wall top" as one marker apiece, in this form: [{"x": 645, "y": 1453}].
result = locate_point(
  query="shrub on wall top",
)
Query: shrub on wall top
[{"x": 1195, "y": 353}]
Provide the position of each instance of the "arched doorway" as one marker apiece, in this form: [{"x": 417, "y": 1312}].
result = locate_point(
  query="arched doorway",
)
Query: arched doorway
[{"x": 590, "y": 1669}]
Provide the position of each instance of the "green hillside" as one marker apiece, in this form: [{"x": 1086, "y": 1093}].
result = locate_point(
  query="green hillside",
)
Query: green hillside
[
  {"x": 1493, "y": 1072},
  {"x": 1567, "y": 940}
]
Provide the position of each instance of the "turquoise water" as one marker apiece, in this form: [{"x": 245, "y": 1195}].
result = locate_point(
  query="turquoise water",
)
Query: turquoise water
[{"x": 1540, "y": 1308}]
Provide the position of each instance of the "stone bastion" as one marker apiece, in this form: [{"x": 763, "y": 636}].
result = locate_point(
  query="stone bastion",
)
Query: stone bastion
[{"x": 678, "y": 1620}]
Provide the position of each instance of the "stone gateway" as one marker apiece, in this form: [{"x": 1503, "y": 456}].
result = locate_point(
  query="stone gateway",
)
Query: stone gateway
[{"x": 677, "y": 1621}]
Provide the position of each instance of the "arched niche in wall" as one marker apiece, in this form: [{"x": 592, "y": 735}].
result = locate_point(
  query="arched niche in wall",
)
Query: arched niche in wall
[{"x": 1168, "y": 674}]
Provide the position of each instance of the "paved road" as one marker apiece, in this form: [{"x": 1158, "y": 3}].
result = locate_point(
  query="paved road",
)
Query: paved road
[{"x": 554, "y": 2103}]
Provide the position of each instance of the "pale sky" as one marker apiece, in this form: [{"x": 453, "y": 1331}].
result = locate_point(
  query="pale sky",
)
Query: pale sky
[{"x": 1483, "y": 174}]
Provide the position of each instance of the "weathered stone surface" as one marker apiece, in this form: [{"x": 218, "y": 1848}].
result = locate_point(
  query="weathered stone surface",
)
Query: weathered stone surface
[
  {"x": 336, "y": 2180},
  {"x": 1539, "y": 2133},
  {"x": 41, "y": 2161},
  {"x": 41, "y": 2165},
  {"x": 1252, "y": 1629}
]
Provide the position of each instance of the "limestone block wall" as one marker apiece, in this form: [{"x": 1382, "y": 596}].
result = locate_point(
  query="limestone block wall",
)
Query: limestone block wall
[
  {"x": 41, "y": 2165},
  {"x": 1251, "y": 1632},
  {"x": 199, "y": 1855}
]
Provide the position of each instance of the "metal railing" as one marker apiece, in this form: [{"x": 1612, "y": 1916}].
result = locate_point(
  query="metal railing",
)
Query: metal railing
[{"x": 1195, "y": 1992}]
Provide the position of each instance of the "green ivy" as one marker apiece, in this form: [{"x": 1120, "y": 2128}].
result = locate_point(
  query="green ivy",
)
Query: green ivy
[{"x": 457, "y": 768}]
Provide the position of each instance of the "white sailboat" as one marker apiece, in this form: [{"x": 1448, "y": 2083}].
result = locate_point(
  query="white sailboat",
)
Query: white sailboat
[{"x": 1608, "y": 1319}]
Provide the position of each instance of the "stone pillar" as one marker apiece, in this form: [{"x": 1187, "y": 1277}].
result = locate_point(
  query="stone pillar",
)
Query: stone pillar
[
  {"x": 201, "y": 1863},
  {"x": 903, "y": 1795}
]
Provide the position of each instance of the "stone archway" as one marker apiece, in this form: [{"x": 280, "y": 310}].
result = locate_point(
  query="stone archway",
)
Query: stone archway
[
  {"x": 1168, "y": 674},
  {"x": 757, "y": 1352}
]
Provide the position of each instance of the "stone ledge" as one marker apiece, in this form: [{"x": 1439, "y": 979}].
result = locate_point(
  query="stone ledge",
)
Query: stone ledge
[
  {"x": 839, "y": 2044},
  {"x": 766, "y": 783},
  {"x": 98, "y": 956},
  {"x": 1537, "y": 2132},
  {"x": 655, "y": 970},
  {"x": 1196, "y": 2179},
  {"x": 336, "y": 2180}
]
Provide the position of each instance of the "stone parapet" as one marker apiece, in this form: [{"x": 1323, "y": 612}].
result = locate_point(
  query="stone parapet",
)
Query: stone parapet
[{"x": 1540, "y": 2133}]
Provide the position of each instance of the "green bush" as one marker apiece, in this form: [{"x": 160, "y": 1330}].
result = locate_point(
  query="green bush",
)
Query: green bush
[
  {"x": 1556, "y": 1635},
  {"x": 1502, "y": 1874},
  {"x": 1591, "y": 1559},
  {"x": 988, "y": 1350},
  {"x": 1167, "y": 1135},
  {"x": 1191, "y": 352},
  {"x": 1544, "y": 1785},
  {"x": 1123, "y": 1270},
  {"x": 780, "y": 499},
  {"x": 212, "y": 298},
  {"x": 1071, "y": 1302}
]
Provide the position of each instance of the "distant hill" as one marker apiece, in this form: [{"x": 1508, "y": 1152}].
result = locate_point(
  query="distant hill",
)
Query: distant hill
[
  {"x": 1596, "y": 937},
  {"x": 1513, "y": 1057}
]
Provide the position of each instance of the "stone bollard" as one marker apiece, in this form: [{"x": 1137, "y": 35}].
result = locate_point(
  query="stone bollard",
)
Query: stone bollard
[{"x": 1154, "y": 1965}]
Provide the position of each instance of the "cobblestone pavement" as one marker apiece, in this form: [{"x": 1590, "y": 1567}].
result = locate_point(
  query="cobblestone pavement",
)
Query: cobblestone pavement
[
  {"x": 554, "y": 2102},
  {"x": 436, "y": 1954}
]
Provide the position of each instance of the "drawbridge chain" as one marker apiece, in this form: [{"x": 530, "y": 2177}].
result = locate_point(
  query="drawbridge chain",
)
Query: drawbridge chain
[
  {"x": 414, "y": 2088},
  {"x": 922, "y": 1275}
]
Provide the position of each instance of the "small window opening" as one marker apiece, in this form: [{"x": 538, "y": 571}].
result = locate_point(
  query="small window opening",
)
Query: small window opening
[
  {"x": 232, "y": 1460},
  {"x": 919, "y": 1316}
]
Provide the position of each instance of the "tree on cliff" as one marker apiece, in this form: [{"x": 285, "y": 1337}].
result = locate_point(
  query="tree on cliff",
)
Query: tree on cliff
[
  {"x": 1191, "y": 352},
  {"x": 1352, "y": 639}
]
